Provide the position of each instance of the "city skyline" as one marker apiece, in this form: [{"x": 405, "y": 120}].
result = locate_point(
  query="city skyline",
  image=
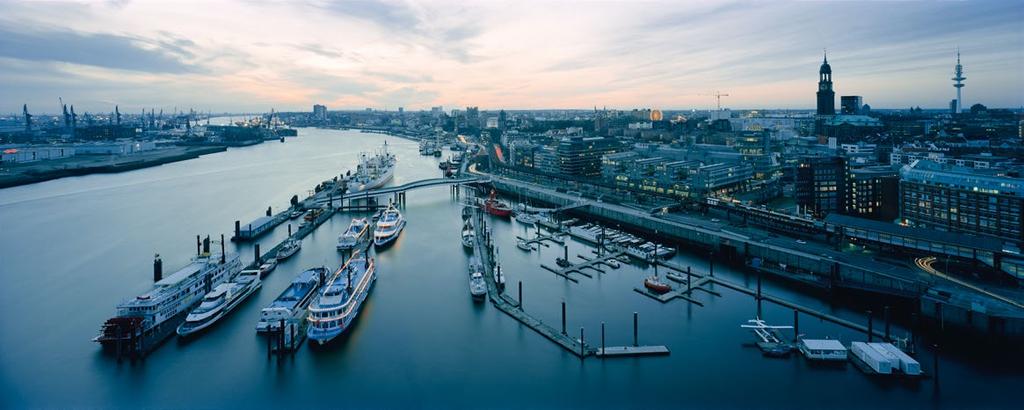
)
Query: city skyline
[{"x": 353, "y": 55}]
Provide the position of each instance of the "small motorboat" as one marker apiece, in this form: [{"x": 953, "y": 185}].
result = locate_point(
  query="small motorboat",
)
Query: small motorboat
[
  {"x": 655, "y": 285},
  {"x": 522, "y": 244},
  {"x": 468, "y": 237},
  {"x": 268, "y": 267},
  {"x": 295, "y": 214},
  {"x": 288, "y": 249},
  {"x": 477, "y": 286},
  {"x": 499, "y": 277},
  {"x": 526, "y": 218},
  {"x": 614, "y": 263}
]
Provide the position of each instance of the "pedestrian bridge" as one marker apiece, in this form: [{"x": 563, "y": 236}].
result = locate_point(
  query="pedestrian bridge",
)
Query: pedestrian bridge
[{"x": 423, "y": 183}]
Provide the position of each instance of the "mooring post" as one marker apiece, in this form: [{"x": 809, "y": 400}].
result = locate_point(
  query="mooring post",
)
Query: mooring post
[
  {"x": 758, "y": 284},
  {"x": 913, "y": 331},
  {"x": 199, "y": 245},
  {"x": 280, "y": 340},
  {"x": 796, "y": 324},
  {"x": 566, "y": 252},
  {"x": 935, "y": 365},
  {"x": 871, "y": 333},
  {"x": 256, "y": 252},
  {"x": 289, "y": 230},
  {"x": 270, "y": 345},
  {"x": 563, "y": 317},
  {"x": 636, "y": 339},
  {"x": 602, "y": 338},
  {"x": 711, "y": 263},
  {"x": 520, "y": 295},
  {"x": 688, "y": 280},
  {"x": 885, "y": 312},
  {"x": 582, "y": 352}
]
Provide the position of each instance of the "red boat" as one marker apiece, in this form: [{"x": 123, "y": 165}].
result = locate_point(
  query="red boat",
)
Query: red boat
[
  {"x": 495, "y": 207},
  {"x": 657, "y": 286}
]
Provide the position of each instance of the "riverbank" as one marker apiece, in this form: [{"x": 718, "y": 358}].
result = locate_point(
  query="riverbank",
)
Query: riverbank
[{"x": 33, "y": 172}]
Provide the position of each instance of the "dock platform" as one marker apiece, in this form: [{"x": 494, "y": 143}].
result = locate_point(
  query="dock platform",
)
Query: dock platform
[{"x": 626, "y": 351}]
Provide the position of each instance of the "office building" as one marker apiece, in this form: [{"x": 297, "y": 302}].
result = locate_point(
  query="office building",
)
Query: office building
[
  {"x": 581, "y": 156},
  {"x": 956, "y": 199},
  {"x": 873, "y": 193},
  {"x": 820, "y": 187},
  {"x": 851, "y": 104}
]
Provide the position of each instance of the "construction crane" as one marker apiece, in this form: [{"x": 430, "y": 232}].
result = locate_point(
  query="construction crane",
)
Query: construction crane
[{"x": 718, "y": 99}]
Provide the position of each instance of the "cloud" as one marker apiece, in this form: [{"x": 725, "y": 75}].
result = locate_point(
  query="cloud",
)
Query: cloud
[{"x": 100, "y": 50}]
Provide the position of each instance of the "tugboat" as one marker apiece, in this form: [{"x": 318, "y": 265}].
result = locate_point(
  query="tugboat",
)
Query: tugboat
[
  {"x": 340, "y": 300},
  {"x": 389, "y": 227},
  {"x": 219, "y": 302},
  {"x": 495, "y": 207},
  {"x": 654, "y": 284}
]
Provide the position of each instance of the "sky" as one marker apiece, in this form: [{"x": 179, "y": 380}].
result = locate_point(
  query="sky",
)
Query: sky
[{"x": 252, "y": 56}]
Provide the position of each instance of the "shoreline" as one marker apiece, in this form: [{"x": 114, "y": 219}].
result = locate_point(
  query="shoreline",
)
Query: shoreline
[{"x": 27, "y": 177}]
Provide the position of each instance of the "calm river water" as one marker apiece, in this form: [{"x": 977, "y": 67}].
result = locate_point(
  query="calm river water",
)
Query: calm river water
[{"x": 70, "y": 249}]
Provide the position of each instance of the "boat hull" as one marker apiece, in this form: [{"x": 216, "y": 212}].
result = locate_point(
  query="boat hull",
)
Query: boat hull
[
  {"x": 322, "y": 337},
  {"x": 382, "y": 241},
  {"x": 186, "y": 330}
]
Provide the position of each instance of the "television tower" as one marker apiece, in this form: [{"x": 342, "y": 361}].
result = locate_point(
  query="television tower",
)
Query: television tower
[{"x": 958, "y": 77}]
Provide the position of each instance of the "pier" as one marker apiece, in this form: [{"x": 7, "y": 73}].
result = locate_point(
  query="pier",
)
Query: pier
[
  {"x": 594, "y": 264},
  {"x": 483, "y": 248}
]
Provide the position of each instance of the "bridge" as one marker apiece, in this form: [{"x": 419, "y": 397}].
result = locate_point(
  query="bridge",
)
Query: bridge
[{"x": 400, "y": 190}]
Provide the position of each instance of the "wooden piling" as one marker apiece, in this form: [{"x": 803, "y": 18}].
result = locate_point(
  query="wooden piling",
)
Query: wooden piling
[
  {"x": 871, "y": 332},
  {"x": 602, "y": 338},
  {"x": 563, "y": 317},
  {"x": 885, "y": 313},
  {"x": 796, "y": 324},
  {"x": 636, "y": 338}
]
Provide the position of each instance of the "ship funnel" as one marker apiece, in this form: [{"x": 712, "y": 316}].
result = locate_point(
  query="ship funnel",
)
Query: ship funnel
[
  {"x": 223, "y": 253},
  {"x": 158, "y": 268},
  {"x": 206, "y": 245}
]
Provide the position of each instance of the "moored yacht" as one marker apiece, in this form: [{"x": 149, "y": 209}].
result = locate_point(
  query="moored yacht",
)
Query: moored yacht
[
  {"x": 358, "y": 232},
  {"x": 477, "y": 286},
  {"x": 144, "y": 321},
  {"x": 389, "y": 226},
  {"x": 373, "y": 172},
  {"x": 288, "y": 249},
  {"x": 220, "y": 301},
  {"x": 468, "y": 237},
  {"x": 340, "y": 299},
  {"x": 293, "y": 301}
]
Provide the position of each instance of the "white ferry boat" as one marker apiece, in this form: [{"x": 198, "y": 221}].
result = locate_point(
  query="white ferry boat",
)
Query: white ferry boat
[
  {"x": 293, "y": 301},
  {"x": 219, "y": 302},
  {"x": 340, "y": 300},
  {"x": 372, "y": 172},
  {"x": 389, "y": 226},
  {"x": 358, "y": 232},
  {"x": 144, "y": 321}
]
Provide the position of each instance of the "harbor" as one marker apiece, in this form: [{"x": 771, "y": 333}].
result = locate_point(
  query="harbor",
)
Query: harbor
[{"x": 482, "y": 345}]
